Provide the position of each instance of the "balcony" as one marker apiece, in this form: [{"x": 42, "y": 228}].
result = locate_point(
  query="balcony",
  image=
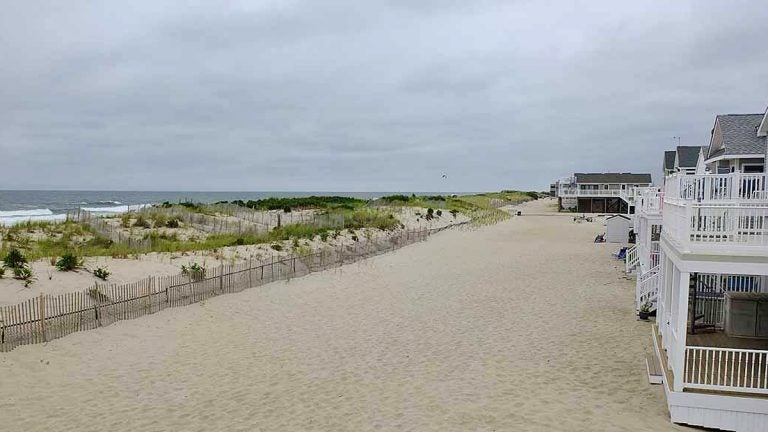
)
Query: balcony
[
  {"x": 649, "y": 201},
  {"x": 719, "y": 228},
  {"x": 735, "y": 187},
  {"x": 719, "y": 213},
  {"x": 589, "y": 193}
]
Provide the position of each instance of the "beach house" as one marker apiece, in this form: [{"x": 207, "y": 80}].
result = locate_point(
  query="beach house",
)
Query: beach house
[
  {"x": 600, "y": 192},
  {"x": 710, "y": 283},
  {"x": 738, "y": 144}
]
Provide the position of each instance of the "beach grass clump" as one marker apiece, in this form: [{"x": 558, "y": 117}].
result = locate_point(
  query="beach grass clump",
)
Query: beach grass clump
[
  {"x": 14, "y": 259},
  {"x": 173, "y": 223},
  {"x": 68, "y": 262},
  {"x": 141, "y": 222},
  {"x": 102, "y": 273},
  {"x": 195, "y": 271},
  {"x": 369, "y": 218},
  {"x": 24, "y": 273},
  {"x": 125, "y": 220}
]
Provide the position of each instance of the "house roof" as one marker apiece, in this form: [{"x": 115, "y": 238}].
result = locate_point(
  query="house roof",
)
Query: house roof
[
  {"x": 617, "y": 215},
  {"x": 669, "y": 160},
  {"x": 739, "y": 135},
  {"x": 688, "y": 156},
  {"x": 612, "y": 178}
]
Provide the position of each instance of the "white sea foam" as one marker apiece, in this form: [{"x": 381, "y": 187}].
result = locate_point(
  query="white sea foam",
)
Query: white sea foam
[
  {"x": 13, "y": 220},
  {"x": 115, "y": 209},
  {"x": 23, "y": 213}
]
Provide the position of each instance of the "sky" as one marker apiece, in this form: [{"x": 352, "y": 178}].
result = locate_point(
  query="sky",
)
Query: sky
[{"x": 364, "y": 96}]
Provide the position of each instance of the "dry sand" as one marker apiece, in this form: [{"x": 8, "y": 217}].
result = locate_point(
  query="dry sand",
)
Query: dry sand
[{"x": 525, "y": 325}]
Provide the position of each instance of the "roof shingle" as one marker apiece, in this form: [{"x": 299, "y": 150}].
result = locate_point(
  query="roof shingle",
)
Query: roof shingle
[
  {"x": 688, "y": 156},
  {"x": 669, "y": 160},
  {"x": 740, "y": 134}
]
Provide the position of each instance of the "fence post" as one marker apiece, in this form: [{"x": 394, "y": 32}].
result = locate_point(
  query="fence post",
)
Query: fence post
[
  {"x": 41, "y": 309},
  {"x": 221, "y": 277},
  {"x": 250, "y": 270},
  {"x": 96, "y": 313}
]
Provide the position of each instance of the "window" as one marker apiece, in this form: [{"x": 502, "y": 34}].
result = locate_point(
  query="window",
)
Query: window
[{"x": 752, "y": 169}]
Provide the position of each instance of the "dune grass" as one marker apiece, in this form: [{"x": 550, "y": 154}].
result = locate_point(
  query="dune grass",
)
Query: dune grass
[{"x": 46, "y": 239}]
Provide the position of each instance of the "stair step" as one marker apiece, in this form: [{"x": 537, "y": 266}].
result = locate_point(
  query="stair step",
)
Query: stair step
[{"x": 653, "y": 368}]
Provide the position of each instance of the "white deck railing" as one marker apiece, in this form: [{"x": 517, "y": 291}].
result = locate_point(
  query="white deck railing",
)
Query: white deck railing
[
  {"x": 650, "y": 201},
  {"x": 632, "y": 258},
  {"x": 648, "y": 257},
  {"x": 707, "y": 225},
  {"x": 648, "y": 289},
  {"x": 575, "y": 193},
  {"x": 726, "y": 369},
  {"x": 716, "y": 187}
]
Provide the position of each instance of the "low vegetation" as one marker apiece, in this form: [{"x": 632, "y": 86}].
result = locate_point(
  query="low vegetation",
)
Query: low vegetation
[
  {"x": 195, "y": 271},
  {"x": 70, "y": 240},
  {"x": 314, "y": 202},
  {"x": 68, "y": 262},
  {"x": 101, "y": 273}
]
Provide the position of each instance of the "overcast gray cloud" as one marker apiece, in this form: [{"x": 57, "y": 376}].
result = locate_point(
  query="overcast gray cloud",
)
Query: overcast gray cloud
[{"x": 355, "y": 96}]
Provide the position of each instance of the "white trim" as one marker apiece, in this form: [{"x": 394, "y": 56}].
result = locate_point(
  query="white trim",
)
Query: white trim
[
  {"x": 735, "y": 156},
  {"x": 762, "y": 130}
]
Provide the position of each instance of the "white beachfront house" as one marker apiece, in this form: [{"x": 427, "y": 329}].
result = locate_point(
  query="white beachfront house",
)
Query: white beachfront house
[
  {"x": 647, "y": 222},
  {"x": 710, "y": 283},
  {"x": 599, "y": 192}
]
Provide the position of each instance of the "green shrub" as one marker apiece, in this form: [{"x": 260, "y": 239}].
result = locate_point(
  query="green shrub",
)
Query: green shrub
[
  {"x": 102, "y": 273},
  {"x": 24, "y": 273},
  {"x": 439, "y": 213},
  {"x": 396, "y": 198},
  {"x": 454, "y": 212},
  {"x": 195, "y": 271},
  {"x": 324, "y": 236},
  {"x": 69, "y": 262},
  {"x": 159, "y": 220},
  {"x": 142, "y": 223},
  {"x": 276, "y": 246},
  {"x": 2, "y": 272},
  {"x": 354, "y": 238},
  {"x": 14, "y": 259},
  {"x": 430, "y": 214},
  {"x": 173, "y": 223}
]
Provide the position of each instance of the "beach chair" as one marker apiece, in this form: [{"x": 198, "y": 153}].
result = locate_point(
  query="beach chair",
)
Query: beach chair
[{"x": 621, "y": 254}]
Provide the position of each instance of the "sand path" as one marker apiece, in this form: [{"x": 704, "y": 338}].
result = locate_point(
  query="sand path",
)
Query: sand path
[{"x": 526, "y": 325}]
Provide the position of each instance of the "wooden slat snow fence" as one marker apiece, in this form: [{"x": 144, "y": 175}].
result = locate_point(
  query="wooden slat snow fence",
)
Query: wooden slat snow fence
[{"x": 47, "y": 317}]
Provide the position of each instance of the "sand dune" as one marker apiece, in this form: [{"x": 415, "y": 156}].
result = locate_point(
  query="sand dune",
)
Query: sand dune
[{"x": 526, "y": 325}]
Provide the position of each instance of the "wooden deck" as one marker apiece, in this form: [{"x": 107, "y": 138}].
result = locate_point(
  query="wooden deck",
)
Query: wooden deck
[
  {"x": 721, "y": 340},
  {"x": 700, "y": 371}
]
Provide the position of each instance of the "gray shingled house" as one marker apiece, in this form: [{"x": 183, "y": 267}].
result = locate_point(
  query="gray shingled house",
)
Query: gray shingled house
[
  {"x": 738, "y": 144},
  {"x": 600, "y": 192},
  {"x": 682, "y": 160}
]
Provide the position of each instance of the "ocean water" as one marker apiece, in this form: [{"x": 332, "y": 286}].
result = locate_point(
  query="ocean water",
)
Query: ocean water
[{"x": 20, "y": 206}]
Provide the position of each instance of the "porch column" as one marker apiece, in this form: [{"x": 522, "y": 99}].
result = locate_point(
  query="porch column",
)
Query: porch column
[{"x": 681, "y": 329}]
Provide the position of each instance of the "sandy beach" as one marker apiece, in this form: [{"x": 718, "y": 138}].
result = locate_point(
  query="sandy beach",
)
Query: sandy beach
[{"x": 524, "y": 325}]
